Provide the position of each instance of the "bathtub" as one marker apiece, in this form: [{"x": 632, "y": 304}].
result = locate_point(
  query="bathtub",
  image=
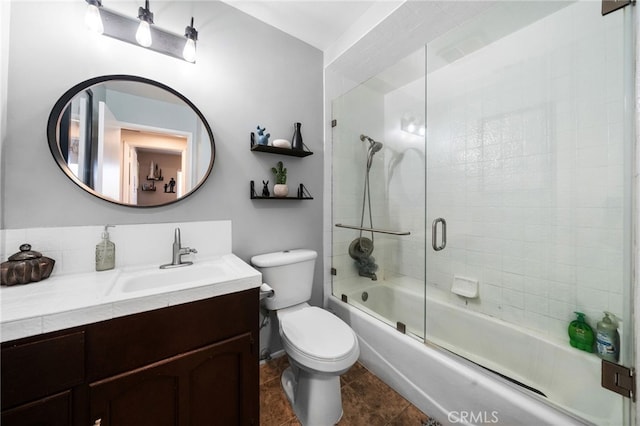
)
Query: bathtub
[{"x": 455, "y": 390}]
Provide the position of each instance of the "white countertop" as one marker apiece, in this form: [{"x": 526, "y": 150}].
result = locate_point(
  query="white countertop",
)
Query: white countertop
[{"x": 71, "y": 300}]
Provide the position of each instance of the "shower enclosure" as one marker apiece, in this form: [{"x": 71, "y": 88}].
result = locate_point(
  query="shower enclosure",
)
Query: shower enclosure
[
  {"x": 500, "y": 196},
  {"x": 368, "y": 119}
]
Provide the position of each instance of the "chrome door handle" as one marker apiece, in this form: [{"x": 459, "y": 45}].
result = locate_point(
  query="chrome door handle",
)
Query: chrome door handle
[{"x": 434, "y": 234}]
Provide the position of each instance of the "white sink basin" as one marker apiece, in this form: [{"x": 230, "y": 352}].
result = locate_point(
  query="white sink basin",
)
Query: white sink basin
[
  {"x": 154, "y": 279},
  {"x": 169, "y": 277}
]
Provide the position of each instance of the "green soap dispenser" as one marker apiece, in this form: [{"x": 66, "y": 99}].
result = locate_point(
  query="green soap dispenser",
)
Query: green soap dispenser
[
  {"x": 608, "y": 338},
  {"x": 581, "y": 334},
  {"x": 105, "y": 252}
]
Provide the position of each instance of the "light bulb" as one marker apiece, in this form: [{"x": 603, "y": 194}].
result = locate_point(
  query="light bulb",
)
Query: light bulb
[
  {"x": 93, "y": 19},
  {"x": 189, "y": 51},
  {"x": 411, "y": 128},
  {"x": 143, "y": 35},
  {"x": 422, "y": 131}
]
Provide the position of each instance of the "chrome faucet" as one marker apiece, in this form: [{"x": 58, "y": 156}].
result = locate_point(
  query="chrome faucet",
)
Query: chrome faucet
[{"x": 178, "y": 252}]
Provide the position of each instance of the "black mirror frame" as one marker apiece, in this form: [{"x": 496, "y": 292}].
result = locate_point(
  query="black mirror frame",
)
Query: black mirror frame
[{"x": 61, "y": 105}]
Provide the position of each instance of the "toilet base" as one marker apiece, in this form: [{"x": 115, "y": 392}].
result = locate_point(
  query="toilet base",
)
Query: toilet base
[{"x": 316, "y": 398}]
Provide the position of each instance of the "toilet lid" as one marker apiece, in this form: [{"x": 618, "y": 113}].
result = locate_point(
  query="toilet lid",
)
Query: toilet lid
[{"x": 318, "y": 333}]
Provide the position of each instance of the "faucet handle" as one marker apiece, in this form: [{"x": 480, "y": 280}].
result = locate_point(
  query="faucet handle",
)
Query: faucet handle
[{"x": 187, "y": 250}]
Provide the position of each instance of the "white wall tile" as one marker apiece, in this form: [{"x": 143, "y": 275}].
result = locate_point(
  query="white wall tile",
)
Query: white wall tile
[
  {"x": 73, "y": 248},
  {"x": 77, "y": 317},
  {"x": 542, "y": 159},
  {"x": 524, "y": 159},
  {"x": 16, "y": 329}
]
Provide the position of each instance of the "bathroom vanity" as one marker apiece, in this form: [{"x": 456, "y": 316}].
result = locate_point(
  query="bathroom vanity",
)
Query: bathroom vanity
[{"x": 184, "y": 362}]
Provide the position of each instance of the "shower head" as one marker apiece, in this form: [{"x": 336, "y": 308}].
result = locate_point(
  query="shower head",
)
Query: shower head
[
  {"x": 374, "y": 146},
  {"x": 366, "y": 138}
]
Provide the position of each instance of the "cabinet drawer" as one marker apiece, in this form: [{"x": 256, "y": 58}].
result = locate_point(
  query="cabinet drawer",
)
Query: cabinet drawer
[
  {"x": 126, "y": 343},
  {"x": 34, "y": 370}
]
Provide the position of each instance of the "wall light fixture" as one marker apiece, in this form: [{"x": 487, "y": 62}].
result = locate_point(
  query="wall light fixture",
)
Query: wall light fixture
[
  {"x": 92, "y": 16},
  {"x": 189, "y": 51},
  {"x": 141, "y": 31},
  {"x": 143, "y": 35}
]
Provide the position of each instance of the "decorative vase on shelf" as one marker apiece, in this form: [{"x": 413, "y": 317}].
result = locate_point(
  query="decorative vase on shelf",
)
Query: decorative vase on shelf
[
  {"x": 280, "y": 189},
  {"x": 296, "y": 140}
]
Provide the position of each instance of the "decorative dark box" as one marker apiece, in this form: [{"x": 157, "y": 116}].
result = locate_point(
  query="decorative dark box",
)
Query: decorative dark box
[{"x": 26, "y": 266}]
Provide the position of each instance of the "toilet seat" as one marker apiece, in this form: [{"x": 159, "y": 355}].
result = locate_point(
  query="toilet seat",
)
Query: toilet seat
[{"x": 317, "y": 339}]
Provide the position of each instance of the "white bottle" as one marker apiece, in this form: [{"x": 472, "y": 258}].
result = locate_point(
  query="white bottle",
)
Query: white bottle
[
  {"x": 105, "y": 252},
  {"x": 608, "y": 338}
]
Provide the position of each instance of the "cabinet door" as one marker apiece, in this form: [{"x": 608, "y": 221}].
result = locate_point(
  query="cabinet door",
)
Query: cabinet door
[
  {"x": 51, "y": 411},
  {"x": 213, "y": 385},
  {"x": 35, "y": 369}
]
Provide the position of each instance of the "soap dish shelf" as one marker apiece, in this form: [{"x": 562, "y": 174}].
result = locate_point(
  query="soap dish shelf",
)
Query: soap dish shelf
[{"x": 465, "y": 287}]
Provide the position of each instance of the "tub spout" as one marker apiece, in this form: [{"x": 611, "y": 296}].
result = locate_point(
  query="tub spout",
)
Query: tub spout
[
  {"x": 367, "y": 266},
  {"x": 371, "y": 275}
]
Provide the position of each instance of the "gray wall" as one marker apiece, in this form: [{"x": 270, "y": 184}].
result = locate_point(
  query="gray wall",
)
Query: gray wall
[
  {"x": 247, "y": 73},
  {"x": 5, "y": 10}
]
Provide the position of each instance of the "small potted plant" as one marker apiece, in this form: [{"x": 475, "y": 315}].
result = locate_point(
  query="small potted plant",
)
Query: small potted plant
[{"x": 280, "y": 189}]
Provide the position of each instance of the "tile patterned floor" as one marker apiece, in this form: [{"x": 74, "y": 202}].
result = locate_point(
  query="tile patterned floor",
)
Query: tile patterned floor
[{"x": 366, "y": 400}]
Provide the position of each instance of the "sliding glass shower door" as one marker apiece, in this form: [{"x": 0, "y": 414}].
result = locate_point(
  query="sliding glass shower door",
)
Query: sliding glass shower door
[
  {"x": 529, "y": 174},
  {"x": 378, "y": 192},
  {"x": 482, "y": 195}
]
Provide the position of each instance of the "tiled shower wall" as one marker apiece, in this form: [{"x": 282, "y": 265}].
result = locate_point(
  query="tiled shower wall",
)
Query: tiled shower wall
[
  {"x": 525, "y": 157},
  {"x": 405, "y": 163}
]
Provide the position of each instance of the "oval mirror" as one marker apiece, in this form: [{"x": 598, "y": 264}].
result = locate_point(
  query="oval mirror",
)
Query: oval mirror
[{"x": 131, "y": 141}]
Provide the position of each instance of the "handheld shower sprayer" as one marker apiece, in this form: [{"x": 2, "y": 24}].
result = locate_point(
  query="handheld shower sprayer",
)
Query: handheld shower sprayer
[
  {"x": 374, "y": 146},
  {"x": 361, "y": 248}
]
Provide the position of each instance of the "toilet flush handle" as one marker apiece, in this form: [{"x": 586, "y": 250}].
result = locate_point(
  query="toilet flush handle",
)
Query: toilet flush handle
[{"x": 266, "y": 291}]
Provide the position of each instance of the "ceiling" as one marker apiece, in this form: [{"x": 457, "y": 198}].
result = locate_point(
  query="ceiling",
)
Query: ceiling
[
  {"x": 380, "y": 33},
  {"x": 320, "y": 23}
]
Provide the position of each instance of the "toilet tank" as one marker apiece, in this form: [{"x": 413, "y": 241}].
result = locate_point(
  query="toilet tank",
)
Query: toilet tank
[{"x": 289, "y": 273}]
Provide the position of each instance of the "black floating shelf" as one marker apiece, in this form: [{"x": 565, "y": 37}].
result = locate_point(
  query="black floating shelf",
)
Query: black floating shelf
[
  {"x": 275, "y": 150},
  {"x": 303, "y": 194}
]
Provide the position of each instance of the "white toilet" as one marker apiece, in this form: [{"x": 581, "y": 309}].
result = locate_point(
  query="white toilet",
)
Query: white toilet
[{"x": 320, "y": 345}]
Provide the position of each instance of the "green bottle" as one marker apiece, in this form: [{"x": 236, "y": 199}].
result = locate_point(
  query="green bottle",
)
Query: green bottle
[{"x": 581, "y": 334}]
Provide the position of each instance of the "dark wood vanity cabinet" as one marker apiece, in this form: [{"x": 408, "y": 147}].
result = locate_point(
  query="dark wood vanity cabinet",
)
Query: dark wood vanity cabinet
[
  {"x": 190, "y": 364},
  {"x": 202, "y": 387},
  {"x": 38, "y": 375}
]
